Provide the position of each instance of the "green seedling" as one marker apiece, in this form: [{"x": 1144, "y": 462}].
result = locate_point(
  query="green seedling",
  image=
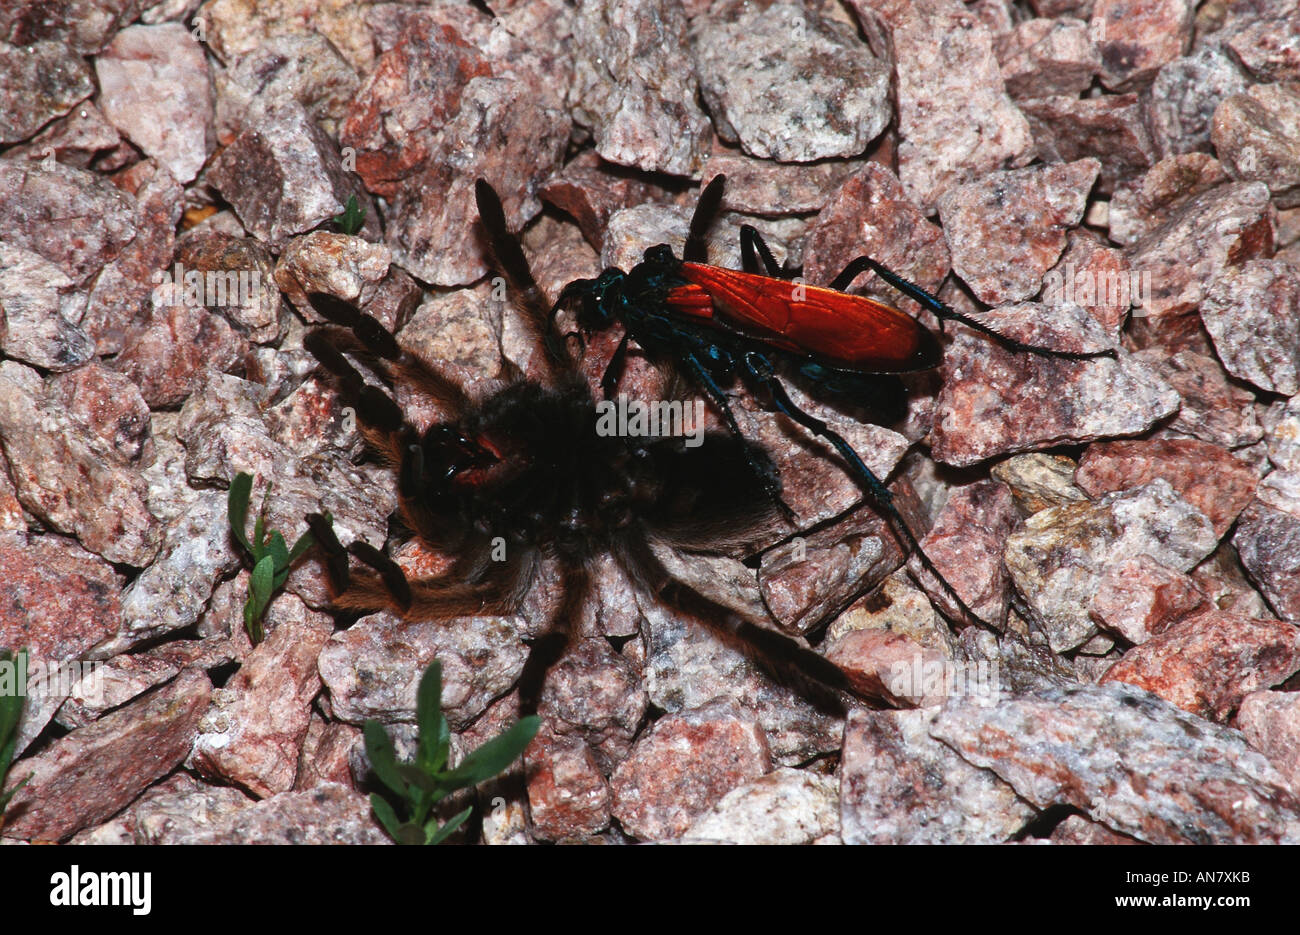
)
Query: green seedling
[
  {"x": 11, "y": 711},
  {"x": 418, "y": 786},
  {"x": 352, "y": 218},
  {"x": 271, "y": 556}
]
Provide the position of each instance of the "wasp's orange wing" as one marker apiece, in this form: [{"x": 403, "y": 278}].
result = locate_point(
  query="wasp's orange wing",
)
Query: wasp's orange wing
[{"x": 849, "y": 331}]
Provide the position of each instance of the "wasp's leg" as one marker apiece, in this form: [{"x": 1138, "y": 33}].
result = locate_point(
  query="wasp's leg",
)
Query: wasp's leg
[
  {"x": 760, "y": 370},
  {"x": 720, "y": 402},
  {"x": 756, "y": 256},
  {"x": 614, "y": 369},
  {"x": 943, "y": 311}
]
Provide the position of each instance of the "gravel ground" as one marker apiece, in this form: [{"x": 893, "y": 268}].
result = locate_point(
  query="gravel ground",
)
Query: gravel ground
[{"x": 1080, "y": 174}]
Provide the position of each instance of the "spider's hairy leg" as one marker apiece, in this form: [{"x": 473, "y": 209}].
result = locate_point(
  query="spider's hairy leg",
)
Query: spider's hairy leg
[
  {"x": 383, "y": 585},
  {"x": 785, "y": 659},
  {"x": 547, "y": 649},
  {"x": 509, "y": 257},
  {"x": 395, "y": 364},
  {"x": 336, "y": 557},
  {"x": 382, "y": 424},
  {"x": 706, "y": 208}
]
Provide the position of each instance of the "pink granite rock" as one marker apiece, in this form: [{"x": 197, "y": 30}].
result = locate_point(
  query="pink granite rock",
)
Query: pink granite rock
[
  {"x": 871, "y": 215},
  {"x": 109, "y": 405},
  {"x": 996, "y": 401},
  {"x": 1137, "y": 37},
  {"x": 1139, "y": 206},
  {"x": 1006, "y": 229},
  {"x": 56, "y": 599},
  {"x": 88, "y": 775},
  {"x": 1140, "y": 598},
  {"x": 123, "y": 292},
  {"x": 1212, "y": 409},
  {"x": 252, "y": 735},
  {"x": 1265, "y": 37},
  {"x": 683, "y": 765},
  {"x": 1045, "y": 56},
  {"x": 1111, "y": 128},
  {"x": 758, "y": 186},
  {"x": 1268, "y": 541},
  {"x": 1271, "y": 722},
  {"x": 1252, "y": 313},
  {"x": 41, "y": 310},
  {"x": 1096, "y": 278},
  {"x": 757, "y": 83},
  {"x": 43, "y": 80},
  {"x": 899, "y": 785},
  {"x": 1128, "y": 759},
  {"x": 631, "y": 90},
  {"x": 1057, "y": 560},
  {"x": 596, "y": 695},
  {"x": 75, "y": 219},
  {"x": 372, "y": 669},
  {"x": 966, "y": 544},
  {"x": 810, "y": 579},
  {"x": 955, "y": 120},
  {"x": 567, "y": 795},
  {"x": 1206, "y": 476},
  {"x": 69, "y": 477},
  {"x": 1208, "y": 663},
  {"x": 590, "y": 191},
  {"x": 154, "y": 87},
  {"x": 1184, "y": 97},
  {"x": 1221, "y": 227}
]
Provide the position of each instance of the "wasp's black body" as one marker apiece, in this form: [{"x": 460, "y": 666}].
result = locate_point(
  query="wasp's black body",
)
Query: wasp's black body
[{"x": 717, "y": 325}]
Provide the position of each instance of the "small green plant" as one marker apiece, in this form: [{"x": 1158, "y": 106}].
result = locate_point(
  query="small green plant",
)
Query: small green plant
[
  {"x": 352, "y": 218},
  {"x": 421, "y": 784},
  {"x": 11, "y": 711},
  {"x": 272, "y": 558}
]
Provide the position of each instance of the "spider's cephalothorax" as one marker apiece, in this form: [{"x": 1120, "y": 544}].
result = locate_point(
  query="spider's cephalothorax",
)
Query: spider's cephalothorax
[{"x": 525, "y": 474}]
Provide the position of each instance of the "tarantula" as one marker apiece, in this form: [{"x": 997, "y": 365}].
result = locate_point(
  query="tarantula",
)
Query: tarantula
[{"x": 525, "y": 467}]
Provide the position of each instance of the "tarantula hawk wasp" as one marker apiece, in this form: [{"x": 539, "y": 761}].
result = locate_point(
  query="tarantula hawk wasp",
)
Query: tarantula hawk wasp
[
  {"x": 717, "y": 325},
  {"x": 524, "y": 463}
]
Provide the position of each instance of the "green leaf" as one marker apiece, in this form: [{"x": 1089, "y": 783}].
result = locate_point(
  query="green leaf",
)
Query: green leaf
[
  {"x": 445, "y": 831},
  {"x": 237, "y": 508},
  {"x": 304, "y": 543},
  {"x": 259, "y": 537},
  {"x": 410, "y": 834},
  {"x": 353, "y": 217},
  {"x": 494, "y": 756},
  {"x": 384, "y": 812},
  {"x": 418, "y": 778},
  {"x": 11, "y": 712},
  {"x": 263, "y": 576},
  {"x": 4, "y": 799},
  {"x": 383, "y": 759},
  {"x": 11, "y": 706},
  {"x": 279, "y": 552},
  {"x": 435, "y": 733},
  {"x": 259, "y": 596}
]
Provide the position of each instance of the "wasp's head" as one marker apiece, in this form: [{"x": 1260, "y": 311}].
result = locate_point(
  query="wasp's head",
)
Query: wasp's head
[{"x": 596, "y": 300}]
